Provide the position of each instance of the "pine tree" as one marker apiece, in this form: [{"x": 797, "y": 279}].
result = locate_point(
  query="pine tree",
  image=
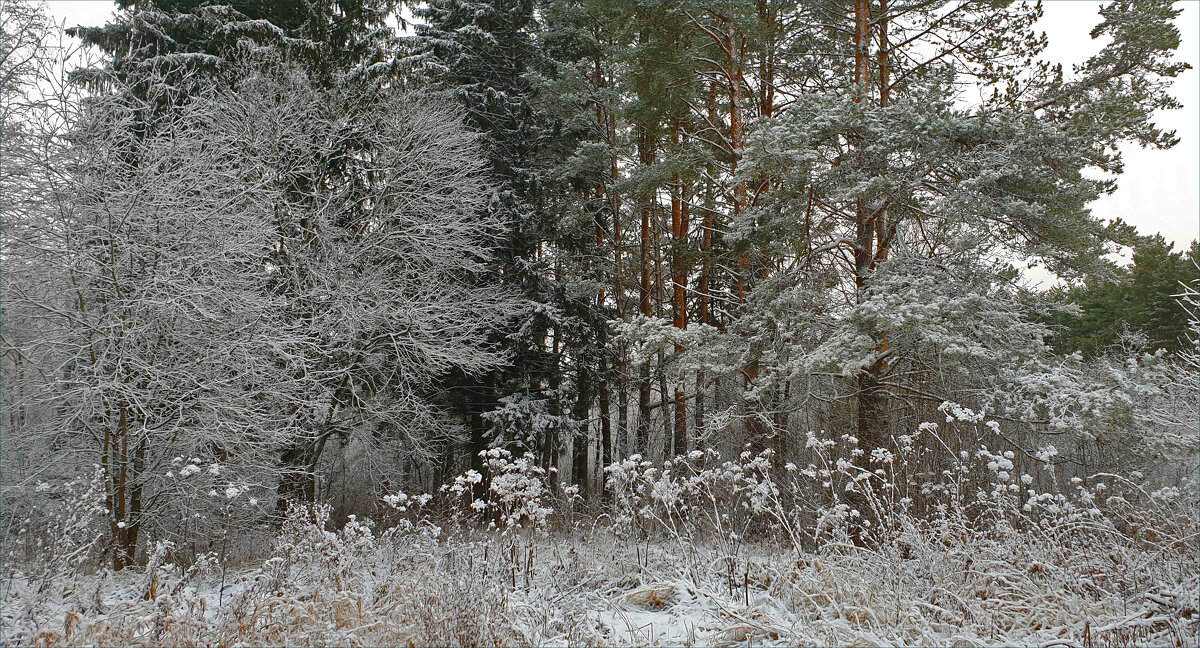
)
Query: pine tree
[
  {"x": 888, "y": 164},
  {"x": 577, "y": 89}
]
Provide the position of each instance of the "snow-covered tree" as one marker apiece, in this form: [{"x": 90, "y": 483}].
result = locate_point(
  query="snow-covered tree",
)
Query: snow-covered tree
[
  {"x": 277, "y": 267},
  {"x": 153, "y": 299},
  {"x": 38, "y": 108},
  {"x": 894, "y": 164},
  {"x": 483, "y": 54},
  {"x": 193, "y": 45},
  {"x": 379, "y": 251}
]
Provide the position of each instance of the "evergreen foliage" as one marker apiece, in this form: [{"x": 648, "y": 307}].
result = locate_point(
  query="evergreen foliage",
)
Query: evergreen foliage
[
  {"x": 281, "y": 237},
  {"x": 1141, "y": 297}
]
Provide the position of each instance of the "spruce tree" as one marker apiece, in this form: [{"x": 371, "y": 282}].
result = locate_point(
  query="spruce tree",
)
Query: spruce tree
[
  {"x": 482, "y": 54},
  {"x": 198, "y": 44},
  {"x": 1138, "y": 298}
]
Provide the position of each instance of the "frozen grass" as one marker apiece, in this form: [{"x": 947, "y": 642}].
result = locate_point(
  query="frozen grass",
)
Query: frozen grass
[
  {"x": 591, "y": 588},
  {"x": 697, "y": 552}
]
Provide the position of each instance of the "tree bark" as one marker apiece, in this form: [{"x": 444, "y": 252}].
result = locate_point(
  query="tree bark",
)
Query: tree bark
[
  {"x": 582, "y": 439},
  {"x": 603, "y": 378},
  {"x": 871, "y": 244},
  {"x": 660, "y": 299},
  {"x": 735, "y": 49},
  {"x": 123, "y": 489},
  {"x": 646, "y": 156},
  {"x": 618, "y": 289},
  {"x": 679, "y": 274},
  {"x": 708, "y": 224},
  {"x": 606, "y": 441}
]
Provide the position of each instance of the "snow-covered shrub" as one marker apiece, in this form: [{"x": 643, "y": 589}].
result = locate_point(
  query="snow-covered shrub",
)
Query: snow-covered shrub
[
  {"x": 838, "y": 497},
  {"x": 307, "y": 554},
  {"x": 982, "y": 569},
  {"x": 994, "y": 532},
  {"x": 695, "y": 495},
  {"x": 516, "y": 496},
  {"x": 699, "y": 496},
  {"x": 63, "y": 532},
  {"x": 47, "y": 556},
  {"x": 208, "y": 505}
]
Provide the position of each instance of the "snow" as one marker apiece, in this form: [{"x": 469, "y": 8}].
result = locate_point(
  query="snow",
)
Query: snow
[
  {"x": 600, "y": 589},
  {"x": 313, "y": 265},
  {"x": 695, "y": 551}
]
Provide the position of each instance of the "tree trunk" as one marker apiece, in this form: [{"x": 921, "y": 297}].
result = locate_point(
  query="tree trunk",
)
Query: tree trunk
[
  {"x": 296, "y": 484},
  {"x": 134, "y": 527},
  {"x": 766, "y": 86},
  {"x": 579, "y": 445},
  {"x": 552, "y": 451},
  {"x": 606, "y": 441},
  {"x": 706, "y": 263},
  {"x": 736, "y": 45},
  {"x": 660, "y": 299},
  {"x": 679, "y": 274},
  {"x": 300, "y": 459},
  {"x": 122, "y": 468},
  {"x": 646, "y": 156},
  {"x": 604, "y": 380},
  {"x": 862, "y": 48},
  {"x": 618, "y": 289},
  {"x": 874, "y": 235}
]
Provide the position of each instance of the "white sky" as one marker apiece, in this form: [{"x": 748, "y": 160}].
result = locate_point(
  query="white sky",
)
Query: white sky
[{"x": 1159, "y": 191}]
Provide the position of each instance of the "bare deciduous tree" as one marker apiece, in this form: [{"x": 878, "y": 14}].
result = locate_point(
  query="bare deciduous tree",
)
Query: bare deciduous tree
[{"x": 274, "y": 268}]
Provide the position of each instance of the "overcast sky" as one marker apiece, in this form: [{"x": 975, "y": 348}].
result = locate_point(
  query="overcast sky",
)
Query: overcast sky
[{"x": 1159, "y": 191}]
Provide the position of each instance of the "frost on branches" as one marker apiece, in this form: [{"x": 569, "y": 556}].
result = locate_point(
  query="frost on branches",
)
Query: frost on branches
[{"x": 589, "y": 324}]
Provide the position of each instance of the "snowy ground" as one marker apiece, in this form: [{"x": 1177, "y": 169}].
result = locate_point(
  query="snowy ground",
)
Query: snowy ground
[
  {"x": 694, "y": 554},
  {"x": 417, "y": 587}
]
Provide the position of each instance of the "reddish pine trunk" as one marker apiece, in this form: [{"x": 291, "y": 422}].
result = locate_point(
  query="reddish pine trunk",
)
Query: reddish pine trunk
[
  {"x": 736, "y": 46},
  {"x": 706, "y": 242},
  {"x": 873, "y": 237},
  {"x": 679, "y": 273}
]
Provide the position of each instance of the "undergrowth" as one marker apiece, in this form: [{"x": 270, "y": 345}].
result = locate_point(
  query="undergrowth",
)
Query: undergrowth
[{"x": 699, "y": 550}]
